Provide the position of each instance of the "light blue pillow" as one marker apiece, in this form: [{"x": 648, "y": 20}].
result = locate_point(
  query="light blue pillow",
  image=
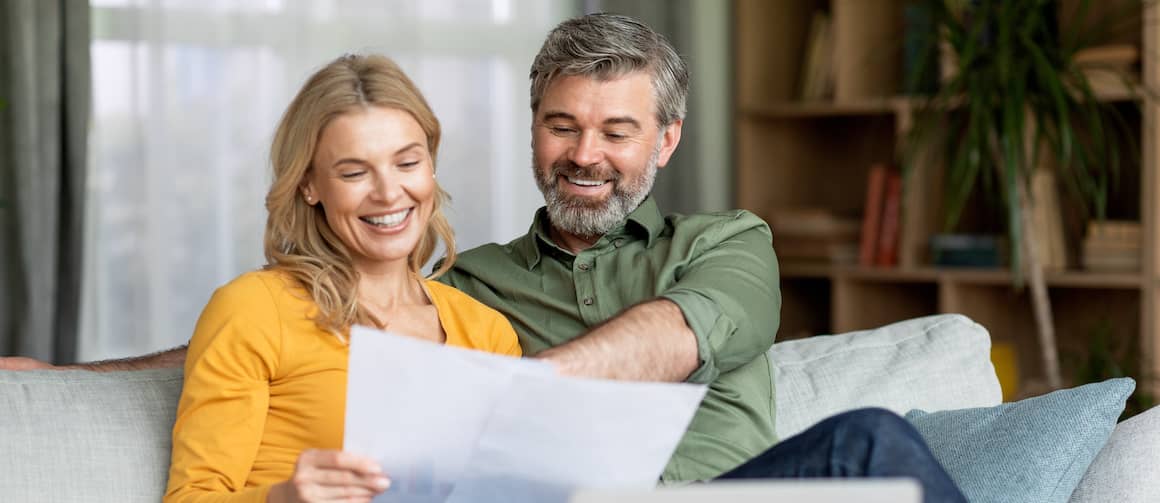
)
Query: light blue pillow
[{"x": 1034, "y": 450}]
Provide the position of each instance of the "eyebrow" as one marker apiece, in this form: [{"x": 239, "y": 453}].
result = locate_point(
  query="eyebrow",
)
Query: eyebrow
[
  {"x": 609, "y": 121},
  {"x": 355, "y": 160}
]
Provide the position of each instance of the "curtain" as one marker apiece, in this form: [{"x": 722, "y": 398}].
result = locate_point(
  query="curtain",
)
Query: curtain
[
  {"x": 186, "y": 97},
  {"x": 44, "y": 91}
]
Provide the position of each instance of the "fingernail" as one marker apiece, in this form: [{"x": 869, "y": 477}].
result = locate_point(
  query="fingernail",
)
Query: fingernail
[{"x": 382, "y": 483}]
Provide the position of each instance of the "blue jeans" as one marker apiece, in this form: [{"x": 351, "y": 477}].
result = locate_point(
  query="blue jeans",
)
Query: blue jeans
[{"x": 860, "y": 443}]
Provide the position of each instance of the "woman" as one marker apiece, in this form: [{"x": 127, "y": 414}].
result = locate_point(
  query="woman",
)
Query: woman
[{"x": 354, "y": 212}]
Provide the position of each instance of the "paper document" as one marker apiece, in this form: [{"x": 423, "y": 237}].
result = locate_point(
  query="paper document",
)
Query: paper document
[{"x": 450, "y": 424}]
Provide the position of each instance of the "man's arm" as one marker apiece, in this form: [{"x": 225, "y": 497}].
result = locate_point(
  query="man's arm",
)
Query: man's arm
[
  {"x": 722, "y": 312},
  {"x": 163, "y": 359},
  {"x": 647, "y": 342}
]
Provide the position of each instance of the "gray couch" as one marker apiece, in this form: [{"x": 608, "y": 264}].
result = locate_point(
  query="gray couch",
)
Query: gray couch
[{"x": 105, "y": 437}]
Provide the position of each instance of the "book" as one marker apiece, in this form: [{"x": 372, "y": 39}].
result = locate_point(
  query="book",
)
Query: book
[
  {"x": 887, "y": 254},
  {"x": 816, "y": 76},
  {"x": 1047, "y": 221},
  {"x": 872, "y": 214},
  {"x": 1097, "y": 258},
  {"x": 1114, "y": 230},
  {"x": 1112, "y": 245},
  {"x": 966, "y": 250}
]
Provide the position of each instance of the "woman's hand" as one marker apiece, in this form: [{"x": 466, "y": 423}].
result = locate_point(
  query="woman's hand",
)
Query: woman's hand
[{"x": 328, "y": 475}]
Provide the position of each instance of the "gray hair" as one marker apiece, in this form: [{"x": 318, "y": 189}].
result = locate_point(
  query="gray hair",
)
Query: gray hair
[{"x": 608, "y": 46}]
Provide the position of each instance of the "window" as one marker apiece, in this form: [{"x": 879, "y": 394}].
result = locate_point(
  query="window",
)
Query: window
[{"x": 187, "y": 94}]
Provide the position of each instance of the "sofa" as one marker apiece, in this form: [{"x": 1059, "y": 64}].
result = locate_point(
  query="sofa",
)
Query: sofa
[{"x": 102, "y": 437}]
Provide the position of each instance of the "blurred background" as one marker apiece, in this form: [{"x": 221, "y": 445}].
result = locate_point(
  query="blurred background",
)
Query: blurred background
[
  {"x": 136, "y": 150},
  {"x": 134, "y": 137}
]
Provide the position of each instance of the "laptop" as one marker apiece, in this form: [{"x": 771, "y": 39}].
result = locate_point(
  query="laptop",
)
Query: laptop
[{"x": 813, "y": 491}]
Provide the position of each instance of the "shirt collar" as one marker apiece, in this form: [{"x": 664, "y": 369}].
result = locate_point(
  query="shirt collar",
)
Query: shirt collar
[{"x": 645, "y": 221}]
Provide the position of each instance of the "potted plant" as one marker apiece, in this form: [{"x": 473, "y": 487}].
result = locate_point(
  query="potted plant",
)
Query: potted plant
[{"x": 1012, "y": 96}]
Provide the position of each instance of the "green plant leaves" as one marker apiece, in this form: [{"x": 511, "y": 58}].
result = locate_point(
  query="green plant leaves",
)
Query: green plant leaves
[{"x": 1017, "y": 102}]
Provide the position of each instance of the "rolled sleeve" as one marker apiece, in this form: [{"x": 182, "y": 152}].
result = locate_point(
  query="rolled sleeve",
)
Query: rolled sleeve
[{"x": 728, "y": 292}]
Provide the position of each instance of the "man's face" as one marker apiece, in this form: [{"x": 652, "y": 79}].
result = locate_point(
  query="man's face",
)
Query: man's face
[{"x": 596, "y": 146}]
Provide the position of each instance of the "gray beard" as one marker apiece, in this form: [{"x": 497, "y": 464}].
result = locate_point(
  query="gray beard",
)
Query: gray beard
[{"x": 588, "y": 219}]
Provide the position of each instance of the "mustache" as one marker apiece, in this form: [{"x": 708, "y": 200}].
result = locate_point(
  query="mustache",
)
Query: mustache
[{"x": 592, "y": 172}]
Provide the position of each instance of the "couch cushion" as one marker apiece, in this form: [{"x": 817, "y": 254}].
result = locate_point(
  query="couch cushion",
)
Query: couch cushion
[
  {"x": 86, "y": 436},
  {"x": 1032, "y": 450},
  {"x": 933, "y": 363},
  {"x": 1125, "y": 469}
]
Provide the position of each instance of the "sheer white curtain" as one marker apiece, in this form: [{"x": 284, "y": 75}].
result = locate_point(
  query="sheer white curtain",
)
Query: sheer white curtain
[{"x": 186, "y": 94}]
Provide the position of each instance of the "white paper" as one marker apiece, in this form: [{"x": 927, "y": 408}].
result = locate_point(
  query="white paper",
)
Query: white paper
[{"x": 450, "y": 424}]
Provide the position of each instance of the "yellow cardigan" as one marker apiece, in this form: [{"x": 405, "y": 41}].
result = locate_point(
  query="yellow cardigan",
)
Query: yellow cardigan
[{"x": 263, "y": 383}]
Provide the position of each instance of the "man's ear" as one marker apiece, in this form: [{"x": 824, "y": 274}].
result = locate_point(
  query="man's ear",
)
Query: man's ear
[{"x": 670, "y": 137}]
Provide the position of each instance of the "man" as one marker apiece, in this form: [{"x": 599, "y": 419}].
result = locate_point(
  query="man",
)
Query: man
[{"x": 603, "y": 285}]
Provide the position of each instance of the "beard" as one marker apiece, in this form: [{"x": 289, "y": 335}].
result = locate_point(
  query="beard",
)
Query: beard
[{"x": 592, "y": 218}]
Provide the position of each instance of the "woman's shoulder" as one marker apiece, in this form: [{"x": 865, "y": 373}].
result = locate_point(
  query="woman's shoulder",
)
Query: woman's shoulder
[
  {"x": 471, "y": 323},
  {"x": 261, "y": 282},
  {"x": 456, "y": 299}
]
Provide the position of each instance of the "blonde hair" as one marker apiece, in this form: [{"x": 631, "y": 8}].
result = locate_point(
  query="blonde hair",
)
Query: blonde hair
[{"x": 298, "y": 240}]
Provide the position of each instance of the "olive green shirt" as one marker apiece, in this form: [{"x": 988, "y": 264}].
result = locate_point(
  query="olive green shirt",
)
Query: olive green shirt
[{"x": 719, "y": 268}]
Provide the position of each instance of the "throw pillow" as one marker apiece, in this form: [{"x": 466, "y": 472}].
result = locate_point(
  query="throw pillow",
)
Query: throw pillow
[
  {"x": 1035, "y": 450},
  {"x": 934, "y": 363},
  {"x": 1125, "y": 470}
]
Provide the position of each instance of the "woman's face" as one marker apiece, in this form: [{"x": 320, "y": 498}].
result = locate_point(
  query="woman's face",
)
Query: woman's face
[{"x": 373, "y": 175}]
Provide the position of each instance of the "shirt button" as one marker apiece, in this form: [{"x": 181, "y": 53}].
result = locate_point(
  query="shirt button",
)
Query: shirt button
[
  {"x": 585, "y": 266},
  {"x": 618, "y": 242},
  {"x": 588, "y": 301}
]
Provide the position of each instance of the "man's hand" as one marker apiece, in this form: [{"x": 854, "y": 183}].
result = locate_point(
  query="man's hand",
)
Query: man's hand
[
  {"x": 169, "y": 358},
  {"x": 23, "y": 363},
  {"x": 329, "y": 475}
]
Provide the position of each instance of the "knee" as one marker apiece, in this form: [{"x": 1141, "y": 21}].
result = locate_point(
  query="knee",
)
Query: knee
[{"x": 875, "y": 423}]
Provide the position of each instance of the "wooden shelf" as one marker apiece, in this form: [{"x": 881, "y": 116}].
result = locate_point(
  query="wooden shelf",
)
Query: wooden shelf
[
  {"x": 817, "y": 155},
  {"x": 1065, "y": 279},
  {"x": 805, "y": 109},
  {"x": 887, "y": 106}
]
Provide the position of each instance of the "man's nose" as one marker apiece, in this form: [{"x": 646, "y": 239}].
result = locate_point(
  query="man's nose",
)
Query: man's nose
[{"x": 587, "y": 151}]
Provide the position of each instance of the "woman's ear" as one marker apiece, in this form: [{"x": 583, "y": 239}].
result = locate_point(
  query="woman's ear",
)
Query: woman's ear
[{"x": 307, "y": 190}]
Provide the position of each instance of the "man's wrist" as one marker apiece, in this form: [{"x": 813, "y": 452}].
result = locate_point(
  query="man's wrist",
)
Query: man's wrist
[{"x": 558, "y": 358}]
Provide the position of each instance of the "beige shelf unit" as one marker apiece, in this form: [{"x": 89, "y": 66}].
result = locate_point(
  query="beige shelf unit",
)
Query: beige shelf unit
[{"x": 816, "y": 154}]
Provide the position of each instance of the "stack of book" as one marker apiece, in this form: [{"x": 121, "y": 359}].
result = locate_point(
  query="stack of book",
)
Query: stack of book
[
  {"x": 1112, "y": 246},
  {"x": 814, "y": 235}
]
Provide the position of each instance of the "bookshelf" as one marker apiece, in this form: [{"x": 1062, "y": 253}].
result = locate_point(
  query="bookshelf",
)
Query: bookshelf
[{"x": 794, "y": 154}]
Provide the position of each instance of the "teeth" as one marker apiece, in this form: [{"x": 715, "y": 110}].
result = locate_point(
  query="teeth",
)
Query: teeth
[
  {"x": 390, "y": 219},
  {"x": 586, "y": 183}
]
